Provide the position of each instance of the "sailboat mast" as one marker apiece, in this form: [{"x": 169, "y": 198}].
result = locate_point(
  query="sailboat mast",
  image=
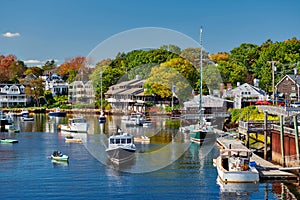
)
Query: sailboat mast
[
  {"x": 101, "y": 90},
  {"x": 200, "y": 89}
]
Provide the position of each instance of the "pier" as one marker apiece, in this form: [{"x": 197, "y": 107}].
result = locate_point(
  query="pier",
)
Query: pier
[{"x": 267, "y": 170}]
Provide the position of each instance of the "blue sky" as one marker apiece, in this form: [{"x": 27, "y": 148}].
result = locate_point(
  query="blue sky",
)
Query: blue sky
[{"x": 59, "y": 29}]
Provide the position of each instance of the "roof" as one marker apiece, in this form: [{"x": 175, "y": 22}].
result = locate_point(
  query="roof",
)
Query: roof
[
  {"x": 208, "y": 101},
  {"x": 293, "y": 77},
  {"x": 247, "y": 87}
]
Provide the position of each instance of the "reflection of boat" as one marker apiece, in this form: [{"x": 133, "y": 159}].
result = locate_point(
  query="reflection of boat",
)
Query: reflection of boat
[
  {"x": 70, "y": 138},
  {"x": 58, "y": 156},
  {"x": 13, "y": 129},
  {"x": 121, "y": 147},
  {"x": 234, "y": 166},
  {"x": 8, "y": 141},
  {"x": 237, "y": 187},
  {"x": 76, "y": 125},
  {"x": 57, "y": 113}
]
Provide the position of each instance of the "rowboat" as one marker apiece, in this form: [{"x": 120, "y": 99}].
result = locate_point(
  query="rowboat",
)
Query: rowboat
[
  {"x": 58, "y": 156},
  {"x": 8, "y": 141}
]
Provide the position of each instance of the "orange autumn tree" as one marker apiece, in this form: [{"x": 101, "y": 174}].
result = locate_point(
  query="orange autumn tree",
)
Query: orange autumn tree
[
  {"x": 69, "y": 70},
  {"x": 11, "y": 69}
]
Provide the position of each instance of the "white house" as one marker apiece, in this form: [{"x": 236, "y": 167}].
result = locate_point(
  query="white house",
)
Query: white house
[
  {"x": 245, "y": 94},
  {"x": 12, "y": 95}
]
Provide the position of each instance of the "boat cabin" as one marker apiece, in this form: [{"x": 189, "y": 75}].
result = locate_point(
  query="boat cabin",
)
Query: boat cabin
[
  {"x": 235, "y": 159},
  {"x": 77, "y": 120},
  {"x": 121, "y": 139}
]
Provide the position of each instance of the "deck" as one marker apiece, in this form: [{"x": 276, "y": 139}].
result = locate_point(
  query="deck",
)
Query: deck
[{"x": 267, "y": 170}]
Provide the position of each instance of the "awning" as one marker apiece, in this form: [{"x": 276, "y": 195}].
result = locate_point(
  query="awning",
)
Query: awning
[
  {"x": 293, "y": 95},
  {"x": 280, "y": 94}
]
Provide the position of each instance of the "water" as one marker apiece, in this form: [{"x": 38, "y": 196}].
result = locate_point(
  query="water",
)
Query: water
[{"x": 26, "y": 172}]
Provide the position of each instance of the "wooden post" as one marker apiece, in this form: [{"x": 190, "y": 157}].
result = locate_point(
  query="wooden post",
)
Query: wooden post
[
  {"x": 282, "y": 140},
  {"x": 265, "y": 135},
  {"x": 296, "y": 137}
]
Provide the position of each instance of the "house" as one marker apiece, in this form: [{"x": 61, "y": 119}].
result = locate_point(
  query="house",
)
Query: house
[
  {"x": 128, "y": 95},
  {"x": 245, "y": 95},
  {"x": 214, "y": 109},
  {"x": 12, "y": 95},
  {"x": 81, "y": 92},
  {"x": 288, "y": 88}
]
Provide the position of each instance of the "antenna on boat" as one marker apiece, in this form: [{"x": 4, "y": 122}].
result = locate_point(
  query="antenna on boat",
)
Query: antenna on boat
[{"x": 200, "y": 89}]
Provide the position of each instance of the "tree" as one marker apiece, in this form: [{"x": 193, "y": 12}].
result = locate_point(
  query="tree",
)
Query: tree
[
  {"x": 10, "y": 69},
  {"x": 35, "y": 89},
  {"x": 73, "y": 68}
]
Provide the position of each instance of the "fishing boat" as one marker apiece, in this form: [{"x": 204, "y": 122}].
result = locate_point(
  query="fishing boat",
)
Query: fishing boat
[
  {"x": 76, "y": 125},
  {"x": 58, "y": 156},
  {"x": 121, "y": 147},
  {"x": 8, "y": 141},
  {"x": 57, "y": 113},
  {"x": 102, "y": 118},
  {"x": 70, "y": 138},
  {"x": 234, "y": 166}
]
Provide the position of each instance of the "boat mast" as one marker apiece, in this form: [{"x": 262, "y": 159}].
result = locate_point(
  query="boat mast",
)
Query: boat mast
[
  {"x": 200, "y": 89},
  {"x": 101, "y": 111}
]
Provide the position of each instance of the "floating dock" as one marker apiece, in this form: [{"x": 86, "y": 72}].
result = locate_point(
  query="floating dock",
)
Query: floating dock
[{"x": 267, "y": 170}]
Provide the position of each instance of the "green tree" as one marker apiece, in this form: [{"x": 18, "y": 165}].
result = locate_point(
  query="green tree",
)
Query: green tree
[{"x": 35, "y": 89}]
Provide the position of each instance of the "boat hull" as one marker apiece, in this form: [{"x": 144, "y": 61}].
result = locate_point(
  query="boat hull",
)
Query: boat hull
[
  {"x": 78, "y": 128},
  {"x": 249, "y": 176},
  {"x": 60, "y": 158},
  {"x": 8, "y": 141},
  {"x": 197, "y": 136},
  {"x": 57, "y": 114},
  {"x": 102, "y": 119},
  {"x": 120, "y": 154}
]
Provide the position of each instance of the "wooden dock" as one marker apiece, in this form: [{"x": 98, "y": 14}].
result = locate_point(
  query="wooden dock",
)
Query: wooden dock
[{"x": 267, "y": 170}]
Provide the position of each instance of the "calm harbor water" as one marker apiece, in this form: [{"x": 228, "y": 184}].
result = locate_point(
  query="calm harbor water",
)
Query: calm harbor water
[{"x": 26, "y": 172}]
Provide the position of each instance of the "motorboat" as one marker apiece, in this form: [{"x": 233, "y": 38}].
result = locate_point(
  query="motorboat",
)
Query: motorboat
[
  {"x": 121, "y": 147},
  {"x": 142, "y": 139},
  {"x": 234, "y": 166},
  {"x": 76, "y": 125},
  {"x": 102, "y": 118},
  {"x": 134, "y": 118},
  {"x": 58, "y": 156},
  {"x": 57, "y": 113},
  {"x": 8, "y": 141},
  {"x": 70, "y": 138},
  {"x": 26, "y": 119},
  {"x": 24, "y": 113}
]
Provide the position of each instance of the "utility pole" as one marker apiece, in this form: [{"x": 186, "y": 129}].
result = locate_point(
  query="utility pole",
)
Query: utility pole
[{"x": 273, "y": 78}]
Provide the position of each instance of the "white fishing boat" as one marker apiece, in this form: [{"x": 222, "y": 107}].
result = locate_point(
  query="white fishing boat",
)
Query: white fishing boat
[
  {"x": 121, "y": 147},
  {"x": 76, "y": 125},
  {"x": 234, "y": 166}
]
